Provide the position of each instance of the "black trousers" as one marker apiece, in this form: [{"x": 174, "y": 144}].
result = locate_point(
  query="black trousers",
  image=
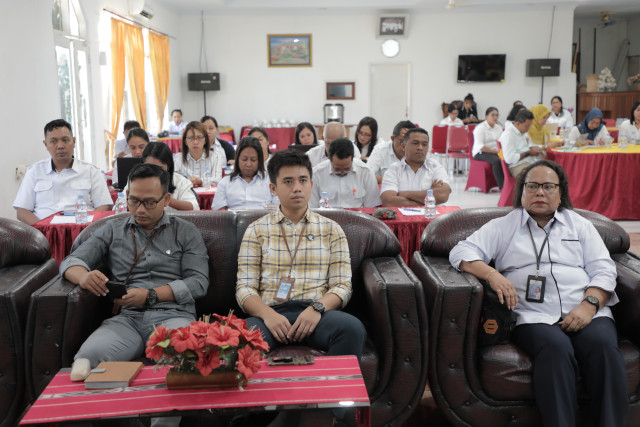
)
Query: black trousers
[
  {"x": 496, "y": 165},
  {"x": 557, "y": 356}
]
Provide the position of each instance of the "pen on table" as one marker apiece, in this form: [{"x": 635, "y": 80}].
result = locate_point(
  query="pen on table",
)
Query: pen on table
[{"x": 412, "y": 210}]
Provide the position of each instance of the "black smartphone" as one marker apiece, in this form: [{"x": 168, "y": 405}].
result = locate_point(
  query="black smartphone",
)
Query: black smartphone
[
  {"x": 291, "y": 360},
  {"x": 116, "y": 289}
]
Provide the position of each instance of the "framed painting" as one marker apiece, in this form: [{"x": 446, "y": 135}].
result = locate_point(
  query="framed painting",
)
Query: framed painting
[
  {"x": 392, "y": 26},
  {"x": 289, "y": 50}
]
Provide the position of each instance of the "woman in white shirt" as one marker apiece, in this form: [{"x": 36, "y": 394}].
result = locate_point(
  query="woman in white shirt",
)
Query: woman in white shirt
[
  {"x": 559, "y": 114},
  {"x": 366, "y": 137},
  {"x": 176, "y": 126},
  {"x": 248, "y": 185},
  {"x": 452, "y": 117},
  {"x": 196, "y": 159},
  {"x": 485, "y": 147},
  {"x": 590, "y": 131},
  {"x": 631, "y": 128},
  {"x": 262, "y": 137},
  {"x": 512, "y": 114},
  {"x": 183, "y": 198}
]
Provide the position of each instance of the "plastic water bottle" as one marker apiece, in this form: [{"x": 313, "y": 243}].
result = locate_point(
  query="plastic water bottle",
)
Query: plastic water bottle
[
  {"x": 622, "y": 142},
  {"x": 430, "y": 205},
  {"x": 121, "y": 204},
  {"x": 324, "y": 200},
  {"x": 82, "y": 216},
  {"x": 206, "y": 179}
]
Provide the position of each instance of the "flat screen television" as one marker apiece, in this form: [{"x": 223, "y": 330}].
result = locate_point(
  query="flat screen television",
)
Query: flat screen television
[{"x": 481, "y": 68}]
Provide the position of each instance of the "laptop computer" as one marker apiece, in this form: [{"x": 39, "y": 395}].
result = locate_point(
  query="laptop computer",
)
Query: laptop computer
[{"x": 125, "y": 164}]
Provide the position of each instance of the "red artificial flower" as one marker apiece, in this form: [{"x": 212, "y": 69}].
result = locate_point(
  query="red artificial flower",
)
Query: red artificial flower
[
  {"x": 248, "y": 361},
  {"x": 156, "y": 343},
  {"x": 159, "y": 335},
  {"x": 154, "y": 352},
  {"x": 199, "y": 328},
  {"x": 232, "y": 320},
  {"x": 182, "y": 339},
  {"x": 254, "y": 337},
  {"x": 221, "y": 335},
  {"x": 208, "y": 361}
]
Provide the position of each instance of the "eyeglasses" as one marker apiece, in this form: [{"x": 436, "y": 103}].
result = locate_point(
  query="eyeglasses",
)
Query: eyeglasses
[
  {"x": 366, "y": 135},
  {"x": 148, "y": 204},
  {"x": 199, "y": 138},
  {"x": 547, "y": 187}
]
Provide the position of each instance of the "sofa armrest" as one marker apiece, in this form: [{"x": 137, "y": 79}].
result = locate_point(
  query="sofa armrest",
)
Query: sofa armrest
[
  {"x": 398, "y": 325},
  {"x": 626, "y": 312},
  {"x": 61, "y": 316}
]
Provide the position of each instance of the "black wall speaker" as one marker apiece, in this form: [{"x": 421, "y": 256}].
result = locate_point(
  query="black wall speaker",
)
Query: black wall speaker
[
  {"x": 204, "y": 81},
  {"x": 543, "y": 67}
]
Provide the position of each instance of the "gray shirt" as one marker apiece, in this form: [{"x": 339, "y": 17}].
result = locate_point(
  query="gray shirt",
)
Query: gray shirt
[{"x": 177, "y": 256}]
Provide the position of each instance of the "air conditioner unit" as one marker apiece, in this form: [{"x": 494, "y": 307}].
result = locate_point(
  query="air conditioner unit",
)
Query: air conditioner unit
[{"x": 140, "y": 8}]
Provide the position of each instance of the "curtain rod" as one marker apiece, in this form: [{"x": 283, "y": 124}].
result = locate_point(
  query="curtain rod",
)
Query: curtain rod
[{"x": 124, "y": 18}]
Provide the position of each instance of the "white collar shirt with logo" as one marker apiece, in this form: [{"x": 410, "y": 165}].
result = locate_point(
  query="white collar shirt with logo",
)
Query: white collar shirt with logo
[
  {"x": 44, "y": 191},
  {"x": 381, "y": 158},
  {"x": 574, "y": 259},
  {"x": 236, "y": 193},
  {"x": 357, "y": 189},
  {"x": 400, "y": 177}
]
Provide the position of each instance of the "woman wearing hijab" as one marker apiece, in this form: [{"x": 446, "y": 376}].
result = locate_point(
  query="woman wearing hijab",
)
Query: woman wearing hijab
[
  {"x": 591, "y": 130},
  {"x": 539, "y": 132}
]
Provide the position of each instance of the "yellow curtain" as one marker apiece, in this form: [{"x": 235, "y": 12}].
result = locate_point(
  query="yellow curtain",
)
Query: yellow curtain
[
  {"x": 117, "y": 81},
  {"x": 134, "y": 52},
  {"x": 161, "y": 69}
]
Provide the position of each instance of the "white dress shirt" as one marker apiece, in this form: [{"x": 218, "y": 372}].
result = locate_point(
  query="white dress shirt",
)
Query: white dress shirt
[
  {"x": 514, "y": 143},
  {"x": 448, "y": 122},
  {"x": 44, "y": 191},
  {"x": 574, "y": 258},
  {"x": 196, "y": 168},
  {"x": 120, "y": 146},
  {"x": 381, "y": 158},
  {"x": 219, "y": 151},
  {"x": 564, "y": 120},
  {"x": 237, "y": 193},
  {"x": 357, "y": 189},
  {"x": 485, "y": 136},
  {"x": 630, "y": 130},
  {"x": 400, "y": 177},
  {"x": 174, "y": 128}
]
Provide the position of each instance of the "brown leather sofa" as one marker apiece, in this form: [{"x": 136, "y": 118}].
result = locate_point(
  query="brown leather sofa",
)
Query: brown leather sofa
[
  {"x": 492, "y": 386},
  {"x": 25, "y": 265},
  {"x": 387, "y": 298}
]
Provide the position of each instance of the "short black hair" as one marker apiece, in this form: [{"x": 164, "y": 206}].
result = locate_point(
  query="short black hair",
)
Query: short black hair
[
  {"x": 178, "y": 110},
  {"x": 341, "y": 147},
  {"x": 514, "y": 110},
  {"x": 287, "y": 158},
  {"x": 55, "y": 124},
  {"x": 633, "y": 109},
  {"x": 147, "y": 170},
  {"x": 523, "y": 115},
  {"x": 130, "y": 124},
  {"x": 248, "y": 142},
  {"x": 213, "y": 119},
  {"x": 490, "y": 110},
  {"x": 161, "y": 151},
  {"x": 139, "y": 132},
  {"x": 414, "y": 130},
  {"x": 405, "y": 124},
  {"x": 558, "y": 98},
  {"x": 565, "y": 200},
  {"x": 452, "y": 107}
]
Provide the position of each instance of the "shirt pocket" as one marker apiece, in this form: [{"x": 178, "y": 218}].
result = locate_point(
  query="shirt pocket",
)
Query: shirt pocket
[
  {"x": 82, "y": 187},
  {"x": 571, "y": 252},
  {"x": 43, "y": 193}
]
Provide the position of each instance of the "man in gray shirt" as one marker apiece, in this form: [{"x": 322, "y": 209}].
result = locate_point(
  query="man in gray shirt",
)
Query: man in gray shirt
[{"x": 162, "y": 260}]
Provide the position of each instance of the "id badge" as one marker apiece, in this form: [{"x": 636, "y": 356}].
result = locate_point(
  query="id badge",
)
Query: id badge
[
  {"x": 535, "y": 288},
  {"x": 284, "y": 288}
]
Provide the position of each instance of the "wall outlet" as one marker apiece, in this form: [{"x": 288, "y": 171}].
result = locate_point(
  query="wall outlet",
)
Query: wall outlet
[{"x": 20, "y": 171}]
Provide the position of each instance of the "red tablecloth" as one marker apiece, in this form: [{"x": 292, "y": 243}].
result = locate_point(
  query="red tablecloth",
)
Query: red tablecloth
[
  {"x": 408, "y": 229},
  {"x": 280, "y": 137},
  {"x": 329, "y": 381},
  {"x": 205, "y": 198},
  {"x": 61, "y": 236},
  {"x": 229, "y": 136},
  {"x": 174, "y": 143},
  {"x": 607, "y": 183},
  {"x": 109, "y": 176}
]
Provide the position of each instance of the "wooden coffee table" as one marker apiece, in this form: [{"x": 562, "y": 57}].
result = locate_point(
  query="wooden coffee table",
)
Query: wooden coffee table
[{"x": 331, "y": 382}]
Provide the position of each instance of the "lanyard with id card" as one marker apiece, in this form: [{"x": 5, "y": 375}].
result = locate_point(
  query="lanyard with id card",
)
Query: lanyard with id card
[
  {"x": 286, "y": 283},
  {"x": 536, "y": 284}
]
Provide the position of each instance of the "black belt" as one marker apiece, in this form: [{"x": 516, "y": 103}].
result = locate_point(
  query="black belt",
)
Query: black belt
[{"x": 141, "y": 309}]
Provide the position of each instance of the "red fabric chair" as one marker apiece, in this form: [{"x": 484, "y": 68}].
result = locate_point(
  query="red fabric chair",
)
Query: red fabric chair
[
  {"x": 456, "y": 143},
  {"x": 439, "y": 139},
  {"x": 506, "y": 198},
  {"x": 610, "y": 122},
  {"x": 480, "y": 173}
]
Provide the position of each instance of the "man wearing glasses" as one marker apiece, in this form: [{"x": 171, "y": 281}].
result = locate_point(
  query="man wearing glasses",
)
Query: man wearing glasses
[{"x": 162, "y": 260}]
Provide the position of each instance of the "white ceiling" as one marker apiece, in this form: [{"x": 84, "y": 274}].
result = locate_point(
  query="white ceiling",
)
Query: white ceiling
[{"x": 584, "y": 8}]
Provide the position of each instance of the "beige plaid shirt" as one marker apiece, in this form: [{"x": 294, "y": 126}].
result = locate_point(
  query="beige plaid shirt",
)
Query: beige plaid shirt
[{"x": 322, "y": 264}]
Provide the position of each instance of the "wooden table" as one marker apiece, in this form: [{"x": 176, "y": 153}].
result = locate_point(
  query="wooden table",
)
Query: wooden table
[
  {"x": 62, "y": 236},
  {"x": 331, "y": 382}
]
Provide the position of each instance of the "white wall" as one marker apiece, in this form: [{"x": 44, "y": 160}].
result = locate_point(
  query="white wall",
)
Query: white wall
[{"x": 344, "y": 46}]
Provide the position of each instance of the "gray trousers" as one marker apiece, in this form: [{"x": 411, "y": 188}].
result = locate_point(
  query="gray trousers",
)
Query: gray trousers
[{"x": 124, "y": 337}]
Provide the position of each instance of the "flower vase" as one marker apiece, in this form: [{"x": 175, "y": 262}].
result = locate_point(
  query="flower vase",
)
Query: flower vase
[{"x": 181, "y": 380}]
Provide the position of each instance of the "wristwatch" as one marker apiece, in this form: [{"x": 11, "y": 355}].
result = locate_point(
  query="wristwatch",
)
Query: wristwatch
[
  {"x": 594, "y": 301},
  {"x": 152, "y": 298},
  {"x": 318, "y": 306}
]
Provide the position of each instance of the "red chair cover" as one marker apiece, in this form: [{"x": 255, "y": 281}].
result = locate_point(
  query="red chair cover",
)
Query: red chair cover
[
  {"x": 506, "y": 198},
  {"x": 439, "y": 140},
  {"x": 480, "y": 173}
]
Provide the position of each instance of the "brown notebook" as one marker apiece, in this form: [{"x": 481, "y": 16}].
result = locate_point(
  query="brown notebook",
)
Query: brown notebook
[{"x": 116, "y": 375}]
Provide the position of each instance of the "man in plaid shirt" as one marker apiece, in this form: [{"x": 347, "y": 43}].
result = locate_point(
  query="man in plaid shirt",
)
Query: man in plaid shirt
[{"x": 294, "y": 269}]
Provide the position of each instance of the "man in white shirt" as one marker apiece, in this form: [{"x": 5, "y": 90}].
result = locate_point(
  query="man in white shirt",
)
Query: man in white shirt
[
  {"x": 53, "y": 185},
  {"x": 387, "y": 153},
  {"x": 517, "y": 150},
  {"x": 347, "y": 181},
  {"x": 333, "y": 130},
  {"x": 406, "y": 182},
  {"x": 120, "y": 147}
]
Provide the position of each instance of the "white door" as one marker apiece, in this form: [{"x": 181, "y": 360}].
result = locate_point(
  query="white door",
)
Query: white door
[{"x": 389, "y": 96}]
